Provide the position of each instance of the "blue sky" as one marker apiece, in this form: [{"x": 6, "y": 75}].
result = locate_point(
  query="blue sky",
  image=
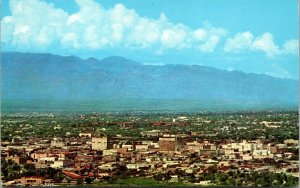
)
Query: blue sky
[{"x": 257, "y": 36}]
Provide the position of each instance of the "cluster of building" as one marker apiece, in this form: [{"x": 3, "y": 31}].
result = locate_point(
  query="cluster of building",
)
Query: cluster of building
[{"x": 100, "y": 157}]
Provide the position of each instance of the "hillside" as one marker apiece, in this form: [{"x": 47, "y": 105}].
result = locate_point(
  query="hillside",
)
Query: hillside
[{"x": 52, "y": 77}]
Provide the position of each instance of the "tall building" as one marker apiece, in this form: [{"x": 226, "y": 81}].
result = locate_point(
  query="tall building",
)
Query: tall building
[
  {"x": 99, "y": 143},
  {"x": 57, "y": 143},
  {"x": 167, "y": 144}
]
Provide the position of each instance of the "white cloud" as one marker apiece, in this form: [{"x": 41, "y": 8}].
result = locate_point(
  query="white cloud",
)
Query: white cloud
[
  {"x": 174, "y": 37},
  {"x": 210, "y": 44},
  {"x": 33, "y": 24},
  {"x": 291, "y": 47},
  {"x": 200, "y": 34},
  {"x": 264, "y": 43},
  {"x": 240, "y": 41},
  {"x": 70, "y": 40},
  {"x": 36, "y": 24},
  {"x": 210, "y": 36}
]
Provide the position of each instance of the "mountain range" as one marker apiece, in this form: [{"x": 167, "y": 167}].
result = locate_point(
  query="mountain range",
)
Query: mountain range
[{"x": 35, "y": 76}]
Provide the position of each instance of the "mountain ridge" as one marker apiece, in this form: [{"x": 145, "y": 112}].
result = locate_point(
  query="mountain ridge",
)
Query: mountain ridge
[
  {"x": 49, "y": 76},
  {"x": 138, "y": 63}
]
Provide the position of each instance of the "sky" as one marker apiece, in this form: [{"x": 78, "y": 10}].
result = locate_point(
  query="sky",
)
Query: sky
[{"x": 253, "y": 36}]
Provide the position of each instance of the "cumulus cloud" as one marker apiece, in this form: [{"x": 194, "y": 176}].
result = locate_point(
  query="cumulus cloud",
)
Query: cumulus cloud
[
  {"x": 264, "y": 43},
  {"x": 210, "y": 44},
  {"x": 291, "y": 47},
  {"x": 239, "y": 42},
  {"x": 32, "y": 24},
  {"x": 37, "y": 24},
  {"x": 211, "y": 37}
]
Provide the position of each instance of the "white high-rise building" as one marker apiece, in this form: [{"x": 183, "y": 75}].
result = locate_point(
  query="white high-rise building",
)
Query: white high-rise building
[{"x": 99, "y": 143}]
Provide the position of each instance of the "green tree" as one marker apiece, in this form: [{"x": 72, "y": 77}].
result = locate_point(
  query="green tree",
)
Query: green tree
[
  {"x": 88, "y": 180},
  {"x": 79, "y": 181}
]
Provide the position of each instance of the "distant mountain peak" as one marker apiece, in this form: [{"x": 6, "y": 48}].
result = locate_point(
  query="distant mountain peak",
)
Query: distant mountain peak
[
  {"x": 92, "y": 59},
  {"x": 118, "y": 60}
]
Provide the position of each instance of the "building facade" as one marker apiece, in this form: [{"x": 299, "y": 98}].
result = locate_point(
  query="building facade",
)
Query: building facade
[
  {"x": 167, "y": 144},
  {"x": 99, "y": 143}
]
